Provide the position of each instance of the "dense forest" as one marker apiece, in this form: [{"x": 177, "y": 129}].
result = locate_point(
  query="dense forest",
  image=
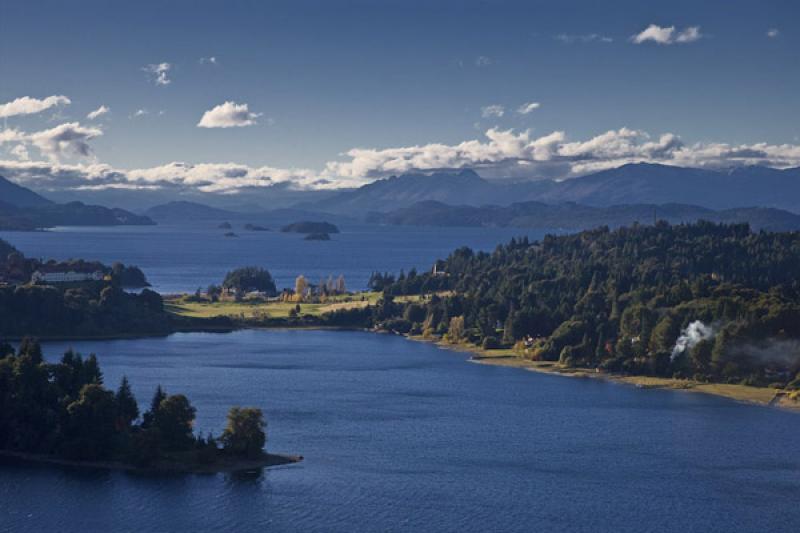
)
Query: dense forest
[
  {"x": 63, "y": 410},
  {"x": 704, "y": 301}
]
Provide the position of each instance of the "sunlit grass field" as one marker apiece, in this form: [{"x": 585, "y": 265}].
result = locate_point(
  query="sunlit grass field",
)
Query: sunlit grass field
[{"x": 184, "y": 306}]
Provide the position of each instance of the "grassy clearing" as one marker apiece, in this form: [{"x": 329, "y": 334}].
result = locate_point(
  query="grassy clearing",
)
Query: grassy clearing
[{"x": 183, "y": 306}]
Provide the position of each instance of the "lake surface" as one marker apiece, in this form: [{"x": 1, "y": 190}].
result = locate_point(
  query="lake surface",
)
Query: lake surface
[
  {"x": 183, "y": 258},
  {"x": 403, "y": 436}
]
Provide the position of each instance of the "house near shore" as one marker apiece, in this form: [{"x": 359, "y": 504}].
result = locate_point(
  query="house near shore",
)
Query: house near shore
[{"x": 66, "y": 276}]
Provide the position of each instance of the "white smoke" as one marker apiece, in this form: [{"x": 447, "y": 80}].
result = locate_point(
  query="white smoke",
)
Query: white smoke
[{"x": 690, "y": 336}]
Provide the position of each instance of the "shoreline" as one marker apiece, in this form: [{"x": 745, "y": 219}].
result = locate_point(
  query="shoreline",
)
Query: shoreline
[
  {"x": 762, "y": 396},
  {"x": 223, "y": 465}
]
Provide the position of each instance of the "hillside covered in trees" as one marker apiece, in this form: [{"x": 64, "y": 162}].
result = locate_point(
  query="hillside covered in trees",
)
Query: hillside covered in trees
[{"x": 704, "y": 301}]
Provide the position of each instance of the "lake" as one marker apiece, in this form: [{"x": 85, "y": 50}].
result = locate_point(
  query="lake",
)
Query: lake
[
  {"x": 183, "y": 258},
  {"x": 403, "y": 436}
]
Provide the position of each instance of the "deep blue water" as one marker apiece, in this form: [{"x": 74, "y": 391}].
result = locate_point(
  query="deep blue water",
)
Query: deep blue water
[
  {"x": 183, "y": 258},
  {"x": 403, "y": 436}
]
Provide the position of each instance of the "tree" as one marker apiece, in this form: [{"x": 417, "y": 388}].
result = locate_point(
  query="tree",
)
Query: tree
[
  {"x": 341, "y": 288},
  {"x": 127, "y": 408},
  {"x": 248, "y": 279},
  {"x": 300, "y": 287},
  {"x": 245, "y": 433},
  {"x": 174, "y": 419},
  {"x": 455, "y": 333},
  {"x": 31, "y": 347},
  {"x": 90, "y": 425},
  {"x": 149, "y": 417}
]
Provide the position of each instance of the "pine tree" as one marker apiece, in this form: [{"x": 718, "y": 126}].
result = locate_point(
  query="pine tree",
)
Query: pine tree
[{"x": 127, "y": 408}]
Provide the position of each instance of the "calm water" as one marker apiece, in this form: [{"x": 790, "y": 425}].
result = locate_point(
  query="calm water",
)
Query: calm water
[
  {"x": 183, "y": 258},
  {"x": 402, "y": 436}
]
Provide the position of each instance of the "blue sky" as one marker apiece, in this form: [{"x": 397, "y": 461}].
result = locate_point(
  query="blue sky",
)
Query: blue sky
[{"x": 407, "y": 82}]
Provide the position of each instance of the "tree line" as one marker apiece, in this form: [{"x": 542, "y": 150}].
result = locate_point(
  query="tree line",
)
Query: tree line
[{"x": 621, "y": 300}]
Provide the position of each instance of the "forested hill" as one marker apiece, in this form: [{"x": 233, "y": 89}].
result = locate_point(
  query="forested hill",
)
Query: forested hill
[
  {"x": 572, "y": 216},
  {"x": 708, "y": 301}
]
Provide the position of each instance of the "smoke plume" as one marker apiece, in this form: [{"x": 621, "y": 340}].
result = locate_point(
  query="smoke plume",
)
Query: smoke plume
[{"x": 690, "y": 336}]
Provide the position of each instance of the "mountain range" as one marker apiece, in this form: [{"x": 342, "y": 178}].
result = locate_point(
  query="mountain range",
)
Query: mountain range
[
  {"x": 22, "y": 209},
  {"x": 443, "y": 197},
  {"x": 570, "y": 216},
  {"x": 640, "y": 183}
]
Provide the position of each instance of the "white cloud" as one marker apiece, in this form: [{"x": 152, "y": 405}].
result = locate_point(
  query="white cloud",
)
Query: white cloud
[
  {"x": 501, "y": 153},
  {"x": 139, "y": 113},
  {"x": 10, "y": 135},
  {"x": 27, "y": 105},
  {"x": 228, "y": 115},
  {"x": 506, "y": 153},
  {"x": 100, "y": 111},
  {"x": 568, "y": 38},
  {"x": 494, "y": 110},
  {"x": 20, "y": 152},
  {"x": 773, "y": 33},
  {"x": 212, "y": 60},
  {"x": 482, "y": 61},
  {"x": 64, "y": 140},
  {"x": 159, "y": 73},
  {"x": 689, "y": 35},
  {"x": 528, "y": 107},
  {"x": 667, "y": 35}
]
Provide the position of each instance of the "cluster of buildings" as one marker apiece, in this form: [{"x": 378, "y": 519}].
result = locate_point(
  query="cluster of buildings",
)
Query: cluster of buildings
[{"x": 66, "y": 276}]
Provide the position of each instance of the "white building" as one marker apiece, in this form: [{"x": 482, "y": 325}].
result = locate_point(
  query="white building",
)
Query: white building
[{"x": 66, "y": 277}]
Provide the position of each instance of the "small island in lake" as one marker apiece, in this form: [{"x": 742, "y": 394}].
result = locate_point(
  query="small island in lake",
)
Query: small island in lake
[
  {"x": 255, "y": 227},
  {"x": 61, "y": 413},
  {"x": 310, "y": 227},
  {"x": 317, "y": 237}
]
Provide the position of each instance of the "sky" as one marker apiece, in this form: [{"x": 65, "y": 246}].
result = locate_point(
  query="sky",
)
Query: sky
[{"x": 226, "y": 96}]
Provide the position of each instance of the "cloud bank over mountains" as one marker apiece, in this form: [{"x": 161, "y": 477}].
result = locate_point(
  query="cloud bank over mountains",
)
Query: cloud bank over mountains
[{"x": 69, "y": 164}]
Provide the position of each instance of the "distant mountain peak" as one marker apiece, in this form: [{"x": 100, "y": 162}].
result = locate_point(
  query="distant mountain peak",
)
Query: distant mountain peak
[{"x": 19, "y": 196}]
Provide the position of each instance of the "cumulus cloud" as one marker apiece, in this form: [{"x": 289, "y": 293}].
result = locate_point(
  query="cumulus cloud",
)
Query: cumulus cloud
[
  {"x": 228, "y": 115},
  {"x": 100, "y": 111},
  {"x": 69, "y": 139},
  {"x": 139, "y": 113},
  {"x": 65, "y": 140},
  {"x": 528, "y": 107},
  {"x": 27, "y": 105},
  {"x": 212, "y": 60},
  {"x": 159, "y": 73},
  {"x": 568, "y": 38},
  {"x": 667, "y": 35},
  {"x": 482, "y": 61},
  {"x": 773, "y": 33},
  {"x": 493, "y": 111}
]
